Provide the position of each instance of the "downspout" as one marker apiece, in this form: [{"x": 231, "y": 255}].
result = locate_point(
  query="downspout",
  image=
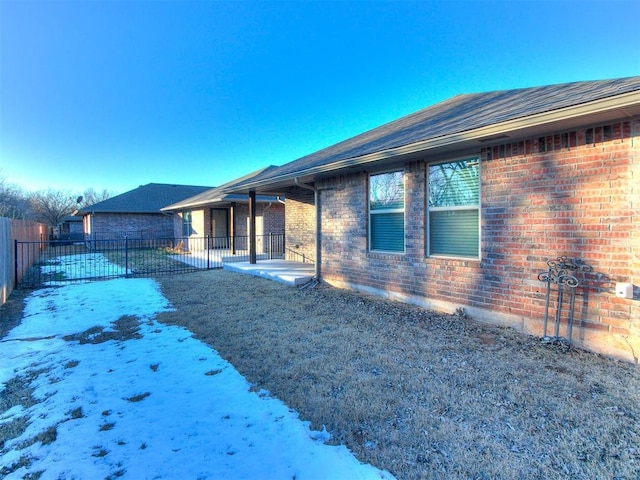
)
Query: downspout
[
  {"x": 278, "y": 199},
  {"x": 316, "y": 270}
]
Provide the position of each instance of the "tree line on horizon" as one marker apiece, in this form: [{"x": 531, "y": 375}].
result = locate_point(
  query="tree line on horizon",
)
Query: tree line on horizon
[{"x": 48, "y": 206}]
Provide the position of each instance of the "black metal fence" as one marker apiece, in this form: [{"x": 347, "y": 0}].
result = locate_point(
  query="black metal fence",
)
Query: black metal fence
[{"x": 61, "y": 262}]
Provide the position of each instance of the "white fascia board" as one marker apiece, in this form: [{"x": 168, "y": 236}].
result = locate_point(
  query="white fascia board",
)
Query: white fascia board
[{"x": 187, "y": 205}]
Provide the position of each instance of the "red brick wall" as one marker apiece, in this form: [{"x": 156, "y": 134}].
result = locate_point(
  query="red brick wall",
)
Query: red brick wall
[
  {"x": 573, "y": 194},
  {"x": 135, "y": 225},
  {"x": 300, "y": 225},
  {"x": 273, "y": 217}
]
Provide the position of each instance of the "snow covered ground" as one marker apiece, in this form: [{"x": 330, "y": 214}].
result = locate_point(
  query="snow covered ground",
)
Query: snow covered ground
[
  {"x": 85, "y": 265},
  {"x": 156, "y": 404}
]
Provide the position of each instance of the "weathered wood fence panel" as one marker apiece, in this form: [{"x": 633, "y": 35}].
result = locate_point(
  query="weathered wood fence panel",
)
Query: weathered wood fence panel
[
  {"x": 24, "y": 231},
  {"x": 6, "y": 259}
]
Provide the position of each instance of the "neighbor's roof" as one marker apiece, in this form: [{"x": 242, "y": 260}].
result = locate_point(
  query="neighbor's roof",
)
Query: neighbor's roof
[
  {"x": 464, "y": 120},
  {"x": 150, "y": 198},
  {"x": 217, "y": 195},
  {"x": 71, "y": 218}
]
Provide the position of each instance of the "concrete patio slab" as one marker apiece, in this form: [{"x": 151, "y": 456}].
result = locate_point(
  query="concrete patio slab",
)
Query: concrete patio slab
[{"x": 283, "y": 271}]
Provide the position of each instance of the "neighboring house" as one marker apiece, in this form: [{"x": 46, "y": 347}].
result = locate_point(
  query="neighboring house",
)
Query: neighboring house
[
  {"x": 71, "y": 229},
  {"x": 137, "y": 213},
  {"x": 460, "y": 205},
  {"x": 225, "y": 218}
]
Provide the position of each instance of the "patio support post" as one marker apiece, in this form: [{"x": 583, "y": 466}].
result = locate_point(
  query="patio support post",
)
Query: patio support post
[
  {"x": 252, "y": 227},
  {"x": 232, "y": 227}
]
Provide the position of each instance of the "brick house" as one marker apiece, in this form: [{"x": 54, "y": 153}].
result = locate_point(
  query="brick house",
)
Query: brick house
[
  {"x": 70, "y": 229},
  {"x": 137, "y": 213},
  {"x": 461, "y": 205},
  {"x": 226, "y": 216}
]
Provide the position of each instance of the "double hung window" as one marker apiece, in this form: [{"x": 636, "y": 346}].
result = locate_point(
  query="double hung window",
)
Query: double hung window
[
  {"x": 454, "y": 208},
  {"x": 186, "y": 224},
  {"x": 386, "y": 212}
]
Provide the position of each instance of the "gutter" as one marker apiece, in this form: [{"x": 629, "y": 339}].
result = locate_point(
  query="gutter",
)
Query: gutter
[
  {"x": 278, "y": 200},
  {"x": 184, "y": 206},
  {"x": 316, "y": 195},
  {"x": 176, "y": 207}
]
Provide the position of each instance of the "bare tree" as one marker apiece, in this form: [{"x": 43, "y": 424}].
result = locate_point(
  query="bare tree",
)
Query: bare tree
[
  {"x": 46, "y": 206},
  {"x": 387, "y": 190},
  {"x": 51, "y": 206},
  {"x": 13, "y": 201},
  {"x": 454, "y": 183},
  {"x": 91, "y": 197}
]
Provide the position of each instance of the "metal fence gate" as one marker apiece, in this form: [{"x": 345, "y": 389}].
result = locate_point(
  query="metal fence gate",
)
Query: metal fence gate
[{"x": 61, "y": 262}]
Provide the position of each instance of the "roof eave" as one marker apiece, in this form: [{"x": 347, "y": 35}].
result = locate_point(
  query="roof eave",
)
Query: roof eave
[
  {"x": 627, "y": 105},
  {"x": 209, "y": 203},
  {"x": 190, "y": 205}
]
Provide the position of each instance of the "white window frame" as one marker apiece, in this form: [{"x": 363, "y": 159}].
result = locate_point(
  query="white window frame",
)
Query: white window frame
[
  {"x": 477, "y": 208},
  {"x": 187, "y": 223},
  {"x": 402, "y": 210}
]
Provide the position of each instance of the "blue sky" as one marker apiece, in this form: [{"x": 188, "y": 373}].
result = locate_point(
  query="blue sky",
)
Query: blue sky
[{"x": 116, "y": 94}]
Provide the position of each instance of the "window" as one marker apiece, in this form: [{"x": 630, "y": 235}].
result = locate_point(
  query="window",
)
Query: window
[
  {"x": 386, "y": 212},
  {"x": 454, "y": 208},
  {"x": 186, "y": 224}
]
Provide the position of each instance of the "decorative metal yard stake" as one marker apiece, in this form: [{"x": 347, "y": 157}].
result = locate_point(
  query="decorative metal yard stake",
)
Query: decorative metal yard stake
[{"x": 558, "y": 274}]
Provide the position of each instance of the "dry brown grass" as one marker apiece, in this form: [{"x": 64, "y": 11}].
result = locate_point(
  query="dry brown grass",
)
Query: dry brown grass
[
  {"x": 11, "y": 311},
  {"x": 125, "y": 328},
  {"x": 147, "y": 260},
  {"x": 421, "y": 394}
]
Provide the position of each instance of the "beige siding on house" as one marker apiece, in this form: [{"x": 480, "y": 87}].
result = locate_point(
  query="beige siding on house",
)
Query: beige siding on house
[{"x": 270, "y": 217}]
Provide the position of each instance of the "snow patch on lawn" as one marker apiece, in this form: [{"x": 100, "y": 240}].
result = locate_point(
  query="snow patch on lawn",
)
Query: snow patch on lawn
[
  {"x": 155, "y": 403},
  {"x": 81, "y": 266}
]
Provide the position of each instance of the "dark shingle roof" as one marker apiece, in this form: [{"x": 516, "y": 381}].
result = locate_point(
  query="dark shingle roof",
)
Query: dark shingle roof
[
  {"x": 459, "y": 114},
  {"x": 148, "y": 198},
  {"x": 219, "y": 195}
]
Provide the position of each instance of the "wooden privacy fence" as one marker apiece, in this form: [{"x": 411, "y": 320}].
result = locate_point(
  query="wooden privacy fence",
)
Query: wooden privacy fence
[{"x": 24, "y": 231}]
